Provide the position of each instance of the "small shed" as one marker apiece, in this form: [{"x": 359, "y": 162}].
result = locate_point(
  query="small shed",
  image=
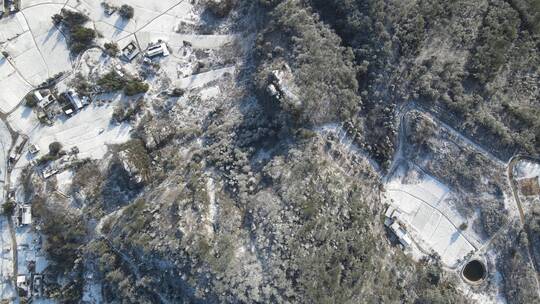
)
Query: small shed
[
  {"x": 34, "y": 149},
  {"x": 46, "y": 101},
  {"x": 130, "y": 51}
]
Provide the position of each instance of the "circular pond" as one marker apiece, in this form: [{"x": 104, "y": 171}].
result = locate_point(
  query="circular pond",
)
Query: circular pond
[{"x": 474, "y": 271}]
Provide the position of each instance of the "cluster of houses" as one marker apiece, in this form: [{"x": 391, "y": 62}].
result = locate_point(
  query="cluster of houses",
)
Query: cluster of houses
[
  {"x": 8, "y": 6},
  {"x": 16, "y": 151},
  {"x": 393, "y": 223},
  {"x": 130, "y": 51},
  {"x": 30, "y": 259},
  {"x": 70, "y": 102},
  {"x": 31, "y": 265}
]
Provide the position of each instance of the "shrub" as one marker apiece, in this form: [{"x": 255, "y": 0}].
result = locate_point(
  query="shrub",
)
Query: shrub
[
  {"x": 71, "y": 18},
  {"x": 220, "y": 8},
  {"x": 31, "y": 101},
  {"x": 111, "y": 82},
  {"x": 8, "y": 208},
  {"x": 55, "y": 148},
  {"x": 80, "y": 37},
  {"x": 126, "y": 11},
  {"x": 111, "y": 49},
  {"x": 134, "y": 87},
  {"x": 177, "y": 92}
]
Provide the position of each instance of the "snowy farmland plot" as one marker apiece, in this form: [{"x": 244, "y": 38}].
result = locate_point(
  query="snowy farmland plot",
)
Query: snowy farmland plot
[
  {"x": 50, "y": 42},
  {"x": 37, "y": 50},
  {"x": 420, "y": 198},
  {"x": 14, "y": 88}
]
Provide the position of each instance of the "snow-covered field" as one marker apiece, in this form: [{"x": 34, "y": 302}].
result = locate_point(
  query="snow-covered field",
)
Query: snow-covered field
[
  {"x": 421, "y": 200},
  {"x": 50, "y": 42},
  {"x": 90, "y": 131},
  {"x": 14, "y": 88},
  {"x": 36, "y": 48}
]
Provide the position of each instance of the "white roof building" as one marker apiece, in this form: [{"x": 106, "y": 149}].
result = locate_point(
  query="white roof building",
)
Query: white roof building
[
  {"x": 25, "y": 215},
  {"x": 157, "y": 50},
  {"x": 402, "y": 234},
  {"x": 391, "y": 221},
  {"x": 75, "y": 99},
  {"x": 21, "y": 280},
  {"x": 38, "y": 95}
]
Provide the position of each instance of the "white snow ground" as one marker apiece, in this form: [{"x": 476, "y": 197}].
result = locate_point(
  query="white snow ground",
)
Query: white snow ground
[
  {"x": 199, "y": 80},
  {"x": 419, "y": 198},
  {"x": 14, "y": 88},
  {"x": 82, "y": 130},
  {"x": 50, "y": 42},
  {"x": 526, "y": 169}
]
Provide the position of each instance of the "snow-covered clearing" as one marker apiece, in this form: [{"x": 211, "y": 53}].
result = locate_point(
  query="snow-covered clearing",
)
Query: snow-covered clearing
[
  {"x": 29, "y": 249},
  {"x": 27, "y": 59},
  {"x": 63, "y": 181},
  {"x": 12, "y": 26},
  {"x": 50, "y": 42},
  {"x": 90, "y": 130},
  {"x": 526, "y": 169},
  {"x": 6, "y": 260},
  {"x": 212, "y": 207},
  {"x": 421, "y": 199},
  {"x": 92, "y": 294},
  {"x": 36, "y": 49},
  {"x": 199, "y": 80},
  {"x": 176, "y": 41}
]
